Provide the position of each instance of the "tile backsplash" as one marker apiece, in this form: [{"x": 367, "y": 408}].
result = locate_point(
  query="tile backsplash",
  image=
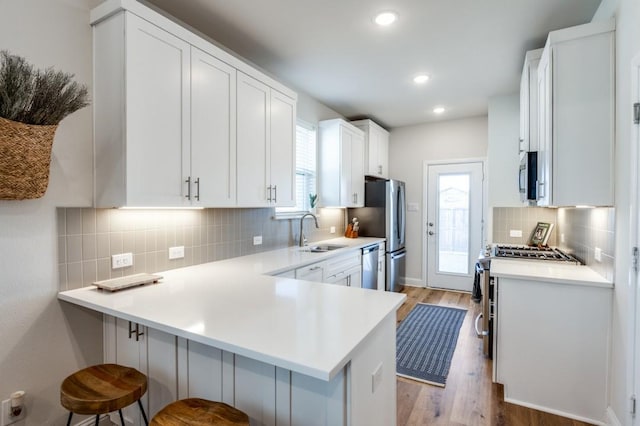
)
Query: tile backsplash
[
  {"x": 577, "y": 231},
  {"x": 587, "y": 229},
  {"x": 523, "y": 219},
  {"x": 88, "y": 237}
]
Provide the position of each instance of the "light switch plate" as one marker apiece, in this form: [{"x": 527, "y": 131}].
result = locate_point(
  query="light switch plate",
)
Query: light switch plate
[
  {"x": 332, "y": 230},
  {"x": 257, "y": 240},
  {"x": 413, "y": 207}
]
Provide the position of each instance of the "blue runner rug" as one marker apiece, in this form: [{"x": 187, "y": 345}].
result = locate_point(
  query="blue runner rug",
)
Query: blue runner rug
[{"x": 425, "y": 342}]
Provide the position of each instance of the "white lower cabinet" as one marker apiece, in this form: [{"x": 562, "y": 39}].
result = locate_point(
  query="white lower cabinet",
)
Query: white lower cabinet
[
  {"x": 552, "y": 346},
  {"x": 313, "y": 272},
  {"x": 345, "y": 269},
  {"x": 150, "y": 351},
  {"x": 179, "y": 368}
]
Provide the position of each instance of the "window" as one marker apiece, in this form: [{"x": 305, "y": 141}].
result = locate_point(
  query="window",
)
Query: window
[{"x": 306, "y": 137}]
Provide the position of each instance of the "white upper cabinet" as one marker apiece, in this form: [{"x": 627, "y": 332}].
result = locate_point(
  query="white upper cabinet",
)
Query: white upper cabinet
[
  {"x": 266, "y": 145},
  {"x": 376, "y": 148},
  {"x": 576, "y": 98},
  {"x": 529, "y": 102},
  {"x": 341, "y": 167},
  {"x": 141, "y": 103},
  {"x": 213, "y": 131},
  {"x": 177, "y": 123}
]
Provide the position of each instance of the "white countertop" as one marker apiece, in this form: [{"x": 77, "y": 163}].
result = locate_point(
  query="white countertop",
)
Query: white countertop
[
  {"x": 561, "y": 273},
  {"x": 310, "y": 328}
]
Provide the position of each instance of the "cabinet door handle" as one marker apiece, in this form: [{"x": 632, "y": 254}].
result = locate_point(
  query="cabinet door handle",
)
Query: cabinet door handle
[
  {"x": 275, "y": 193},
  {"x": 188, "y": 182},
  {"x": 379, "y": 170},
  {"x": 131, "y": 329},
  {"x": 197, "y": 189},
  {"x": 314, "y": 268},
  {"x": 540, "y": 189},
  {"x": 269, "y": 196},
  {"x": 138, "y": 332}
]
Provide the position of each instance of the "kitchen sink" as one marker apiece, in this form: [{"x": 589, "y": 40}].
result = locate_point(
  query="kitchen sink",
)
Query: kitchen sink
[{"x": 322, "y": 248}]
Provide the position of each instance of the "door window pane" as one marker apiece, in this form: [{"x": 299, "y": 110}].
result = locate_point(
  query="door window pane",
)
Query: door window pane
[{"x": 453, "y": 223}]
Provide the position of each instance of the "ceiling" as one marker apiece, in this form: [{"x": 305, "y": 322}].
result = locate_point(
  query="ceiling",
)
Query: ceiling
[{"x": 332, "y": 50}]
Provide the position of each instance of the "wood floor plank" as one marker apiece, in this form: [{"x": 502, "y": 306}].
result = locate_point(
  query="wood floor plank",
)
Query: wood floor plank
[{"x": 469, "y": 398}]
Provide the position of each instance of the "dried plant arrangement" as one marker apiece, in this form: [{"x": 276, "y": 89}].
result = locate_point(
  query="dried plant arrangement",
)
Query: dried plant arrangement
[
  {"x": 37, "y": 97},
  {"x": 32, "y": 103}
]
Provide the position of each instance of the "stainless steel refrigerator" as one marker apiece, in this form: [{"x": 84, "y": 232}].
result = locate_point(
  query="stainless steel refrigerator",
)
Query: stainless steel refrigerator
[{"x": 384, "y": 215}]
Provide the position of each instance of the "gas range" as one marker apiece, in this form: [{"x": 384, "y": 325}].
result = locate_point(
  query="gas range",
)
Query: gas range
[{"x": 504, "y": 251}]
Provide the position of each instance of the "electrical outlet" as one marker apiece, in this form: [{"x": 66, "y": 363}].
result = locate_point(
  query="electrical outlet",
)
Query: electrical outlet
[
  {"x": 562, "y": 238},
  {"x": 376, "y": 377},
  {"x": 597, "y": 254},
  {"x": 7, "y": 419},
  {"x": 332, "y": 230},
  {"x": 176, "y": 252},
  {"x": 515, "y": 233},
  {"x": 257, "y": 240},
  {"x": 121, "y": 260}
]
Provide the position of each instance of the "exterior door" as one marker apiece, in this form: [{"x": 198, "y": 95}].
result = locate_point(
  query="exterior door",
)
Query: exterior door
[{"x": 454, "y": 223}]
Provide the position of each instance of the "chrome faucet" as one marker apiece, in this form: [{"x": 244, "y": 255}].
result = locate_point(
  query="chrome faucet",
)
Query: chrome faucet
[{"x": 303, "y": 241}]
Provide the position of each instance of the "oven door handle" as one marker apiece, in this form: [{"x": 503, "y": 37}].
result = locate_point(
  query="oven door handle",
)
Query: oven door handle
[{"x": 479, "y": 333}]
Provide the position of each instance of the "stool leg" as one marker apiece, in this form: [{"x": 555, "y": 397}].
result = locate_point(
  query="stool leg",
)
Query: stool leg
[
  {"x": 144, "y": 416},
  {"x": 121, "y": 418},
  {"x": 97, "y": 419},
  {"x": 69, "y": 419}
]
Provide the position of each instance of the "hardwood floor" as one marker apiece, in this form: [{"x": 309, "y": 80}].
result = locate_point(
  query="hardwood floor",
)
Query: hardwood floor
[{"x": 469, "y": 398}]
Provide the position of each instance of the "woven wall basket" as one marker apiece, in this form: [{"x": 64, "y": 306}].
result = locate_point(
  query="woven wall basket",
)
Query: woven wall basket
[{"x": 25, "y": 156}]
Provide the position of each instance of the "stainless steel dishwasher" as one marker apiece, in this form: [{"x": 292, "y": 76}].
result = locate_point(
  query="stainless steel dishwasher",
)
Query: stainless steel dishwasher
[{"x": 370, "y": 267}]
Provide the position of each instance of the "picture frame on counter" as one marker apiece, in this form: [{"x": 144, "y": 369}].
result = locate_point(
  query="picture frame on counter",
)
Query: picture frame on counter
[{"x": 540, "y": 234}]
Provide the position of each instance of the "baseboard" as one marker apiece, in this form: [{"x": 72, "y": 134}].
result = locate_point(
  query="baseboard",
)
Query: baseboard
[
  {"x": 612, "y": 419},
  {"x": 412, "y": 282},
  {"x": 556, "y": 412}
]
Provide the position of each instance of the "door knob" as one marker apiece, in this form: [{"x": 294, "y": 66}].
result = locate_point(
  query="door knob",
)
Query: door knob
[
  {"x": 430, "y": 223},
  {"x": 431, "y": 232}
]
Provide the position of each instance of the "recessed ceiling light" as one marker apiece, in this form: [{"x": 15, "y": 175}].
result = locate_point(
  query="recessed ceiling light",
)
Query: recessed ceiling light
[
  {"x": 385, "y": 18},
  {"x": 438, "y": 110},
  {"x": 421, "y": 79}
]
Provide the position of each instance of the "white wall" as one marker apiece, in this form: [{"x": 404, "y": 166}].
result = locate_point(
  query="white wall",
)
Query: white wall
[
  {"x": 312, "y": 111},
  {"x": 40, "y": 335},
  {"x": 627, "y": 46},
  {"x": 409, "y": 148}
]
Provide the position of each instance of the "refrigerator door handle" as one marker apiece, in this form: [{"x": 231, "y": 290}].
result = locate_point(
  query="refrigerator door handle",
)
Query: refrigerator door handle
[{"x": 401, "y": 215}]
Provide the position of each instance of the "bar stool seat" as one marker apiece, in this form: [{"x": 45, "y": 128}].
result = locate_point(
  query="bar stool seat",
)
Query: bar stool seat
[
  {"x": 101, "y": 389},
  {"x": 199, "y": 412}
]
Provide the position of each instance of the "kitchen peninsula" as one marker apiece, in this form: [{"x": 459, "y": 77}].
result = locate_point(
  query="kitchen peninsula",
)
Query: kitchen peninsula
[{"x": 283, "y": 350}]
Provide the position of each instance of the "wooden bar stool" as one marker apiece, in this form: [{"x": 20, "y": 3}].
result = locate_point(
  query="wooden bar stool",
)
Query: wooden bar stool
[
  {"x": 101, "y": 389},
  {"x": 199, "y": 412}
]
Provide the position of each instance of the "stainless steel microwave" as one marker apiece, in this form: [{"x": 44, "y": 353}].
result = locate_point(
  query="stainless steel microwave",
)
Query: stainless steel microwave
[{"x": 528, "y": 176}]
